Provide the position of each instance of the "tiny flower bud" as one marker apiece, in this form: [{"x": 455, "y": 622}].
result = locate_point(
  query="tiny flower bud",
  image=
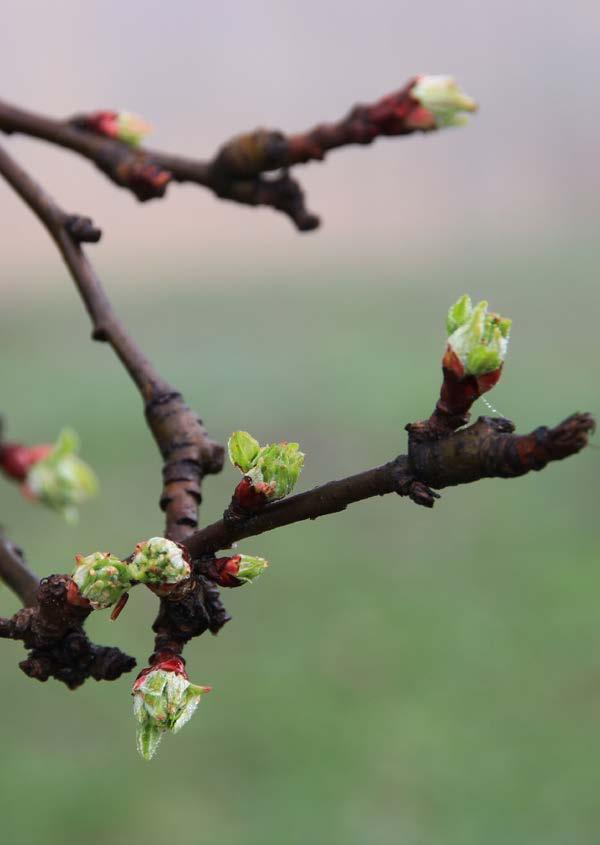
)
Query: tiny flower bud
[
  {"x": 239, "y": 569},
  {"x": 122, "y": 126},
  {"x": 61, "y": 480},
  {"x": 159, "y": 561},
  {"x": 163, "y": 700},
  {"x": 477, "y": 341},
  {"x": 441, "y": 97},
  {"x": 101, "y": 578}
]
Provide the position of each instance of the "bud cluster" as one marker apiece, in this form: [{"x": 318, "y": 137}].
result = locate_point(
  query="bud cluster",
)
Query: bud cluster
[
  {"x": 164, "y": 700},
  {"x": 270, "y": 472},
  {"x": 101, "y": 579}
]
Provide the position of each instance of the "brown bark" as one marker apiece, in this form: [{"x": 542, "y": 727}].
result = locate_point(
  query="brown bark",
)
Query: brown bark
[{"x": 440, "y": 454}]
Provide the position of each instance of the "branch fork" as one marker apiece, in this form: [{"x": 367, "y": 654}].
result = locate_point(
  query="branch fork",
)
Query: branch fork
[{"x": 253, "y": 169}]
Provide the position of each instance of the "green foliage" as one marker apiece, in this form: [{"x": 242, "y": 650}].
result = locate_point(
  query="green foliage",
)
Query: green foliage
[
  {"x": 274, "y": 469},
  {"x": 479, "y": 339}
]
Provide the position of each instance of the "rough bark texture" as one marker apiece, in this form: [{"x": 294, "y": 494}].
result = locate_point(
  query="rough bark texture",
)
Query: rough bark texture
[{"x": 52, "y": 631}]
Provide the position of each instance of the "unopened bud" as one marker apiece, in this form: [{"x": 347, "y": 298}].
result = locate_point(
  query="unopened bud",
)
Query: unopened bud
[
  {"x": 163, "y": 700},
  {"x": 101, "y": 579},
  {"x": 159, "y": 561},
  {"x": 120, "y": 125},
  {"x": 443, "y": 99},
  {"x": 477, "y": 341},
  {"x": 239, "y": 569}
]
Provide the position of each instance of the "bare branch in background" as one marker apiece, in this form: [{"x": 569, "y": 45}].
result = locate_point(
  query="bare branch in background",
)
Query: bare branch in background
[
  {"x": 237, "y": 171},
  {"x": 15, "y": 573}
]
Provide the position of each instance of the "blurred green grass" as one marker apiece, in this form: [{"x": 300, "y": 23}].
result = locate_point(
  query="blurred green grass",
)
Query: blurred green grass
[{"x": 398, "y": 675}]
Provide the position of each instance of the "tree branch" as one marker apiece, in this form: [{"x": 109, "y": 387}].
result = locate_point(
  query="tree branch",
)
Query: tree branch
[
  {"x": 187, "y": 451},
  {"x": 237, "y": 171},
  {"x": 487, "y": 449},
  {"x": 15, "y": 573}
]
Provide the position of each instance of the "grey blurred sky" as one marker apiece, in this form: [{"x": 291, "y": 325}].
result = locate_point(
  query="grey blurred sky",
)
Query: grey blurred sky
[{"x": 524, "y": 169}]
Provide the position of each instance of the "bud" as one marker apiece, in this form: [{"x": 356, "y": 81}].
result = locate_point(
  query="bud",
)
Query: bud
[
  {"x": 270, "y": 472},
  {"x": 159, "y": 562},
  {"x": 442, "y": 100},
  {"x": 101, "y": 578},
  {"x": 163, "y": 700},
  {"x": 122, "y": 126},
  {"x": 145, "y": 177},
  {"x": 477, "y": 341},
  {"x": 238, "y": 570},
  {"x": 243, "y": 450},
  {"x": 247, "y": 155},
  {"x": 61, "y": 480}
]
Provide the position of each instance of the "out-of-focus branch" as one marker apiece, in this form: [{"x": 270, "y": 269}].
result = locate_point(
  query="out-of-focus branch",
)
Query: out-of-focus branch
[
  {"x": 15, "y": 572},
  {"x": 187, "y": 451},
  {"x": 237, "y": 171}
]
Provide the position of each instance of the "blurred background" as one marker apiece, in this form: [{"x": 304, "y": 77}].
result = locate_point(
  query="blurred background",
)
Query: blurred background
[{"x": 399, "y": 675}]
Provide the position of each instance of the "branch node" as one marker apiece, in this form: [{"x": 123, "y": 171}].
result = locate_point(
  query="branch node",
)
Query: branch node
[{"x": 82, "y": 229}]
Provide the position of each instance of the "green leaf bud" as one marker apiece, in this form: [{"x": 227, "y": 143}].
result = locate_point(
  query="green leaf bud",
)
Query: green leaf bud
[{"x": 478, "y": 340}]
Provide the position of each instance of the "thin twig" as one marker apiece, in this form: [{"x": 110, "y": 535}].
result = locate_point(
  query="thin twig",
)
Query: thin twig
[{"x": 16, "y": 574}]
